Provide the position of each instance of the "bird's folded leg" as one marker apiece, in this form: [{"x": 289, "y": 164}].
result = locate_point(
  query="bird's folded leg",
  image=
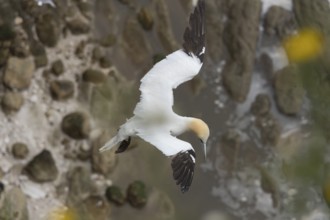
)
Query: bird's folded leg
[{"x": 123, "y": 145}]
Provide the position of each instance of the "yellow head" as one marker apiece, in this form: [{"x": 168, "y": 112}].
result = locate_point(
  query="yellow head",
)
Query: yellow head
[{"x": 201, "y": 129}]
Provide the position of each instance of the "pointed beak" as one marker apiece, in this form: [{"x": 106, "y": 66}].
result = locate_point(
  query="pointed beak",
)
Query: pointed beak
[{"x": 204, "y": 146}]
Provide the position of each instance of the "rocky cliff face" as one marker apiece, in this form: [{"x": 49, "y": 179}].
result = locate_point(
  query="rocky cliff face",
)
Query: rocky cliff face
[{"x": 70, "y": 75}]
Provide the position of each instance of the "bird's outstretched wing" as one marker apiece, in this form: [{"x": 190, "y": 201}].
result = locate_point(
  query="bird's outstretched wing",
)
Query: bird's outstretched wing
[
  {"x": 183, "y": 161},
  {"x": 183, "y": 166},
  {"x": 194, "y": 35},
  {"x": 178, "y": 67},
  {"x": 164, "y": 141}
]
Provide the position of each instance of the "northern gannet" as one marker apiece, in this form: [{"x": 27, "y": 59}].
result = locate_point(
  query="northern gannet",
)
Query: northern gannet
[{"x": 154, "y": 120}]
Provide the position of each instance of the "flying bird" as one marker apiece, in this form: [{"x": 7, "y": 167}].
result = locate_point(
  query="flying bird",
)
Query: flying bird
[
  {"x": 154, "y": 119},
  {"x": 44, "y": 2}
]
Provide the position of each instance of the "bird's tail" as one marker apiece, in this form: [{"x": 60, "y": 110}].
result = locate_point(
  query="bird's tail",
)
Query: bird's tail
[
  {"x": 122, "y": 134},
  {"x": 111, "y": 143}
]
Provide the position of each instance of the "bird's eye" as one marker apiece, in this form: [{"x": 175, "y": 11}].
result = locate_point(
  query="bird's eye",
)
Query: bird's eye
[{"x": 201, "y": 140}]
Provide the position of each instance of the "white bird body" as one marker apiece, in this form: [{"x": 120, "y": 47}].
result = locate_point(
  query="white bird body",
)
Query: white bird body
[
  {"x": 153, "y": 115},
  {"x": 158, "y": 128},
  {"x": 43, "y": 2},
  {"x": 154, "y": 119}
]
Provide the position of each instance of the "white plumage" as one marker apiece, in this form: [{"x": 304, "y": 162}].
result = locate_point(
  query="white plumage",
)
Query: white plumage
[
  {"x": 42, "y": 2},
  {"x": 154, "y": 120},
  {"x": 157, "y": 85}
]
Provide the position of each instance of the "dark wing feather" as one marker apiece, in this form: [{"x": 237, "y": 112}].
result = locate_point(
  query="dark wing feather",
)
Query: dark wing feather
[
  {"x": 194, "y": 35},
  {"x": 183, "y": 166}
]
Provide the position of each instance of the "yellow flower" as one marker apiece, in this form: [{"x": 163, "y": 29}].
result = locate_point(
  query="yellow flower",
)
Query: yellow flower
[
  {"x": 307, "y": 44},
  {"x": 63, "y": 214}
]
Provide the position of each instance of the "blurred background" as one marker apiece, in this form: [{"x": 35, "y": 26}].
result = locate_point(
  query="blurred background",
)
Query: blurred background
[{"x": 70, "y": 72}]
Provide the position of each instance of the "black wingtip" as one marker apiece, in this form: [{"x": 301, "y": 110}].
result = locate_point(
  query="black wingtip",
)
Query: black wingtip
[
  {"x": 123, "y": 145},
  {"x": 183, "y": 166},
  {"x": 194, "y": 35}
]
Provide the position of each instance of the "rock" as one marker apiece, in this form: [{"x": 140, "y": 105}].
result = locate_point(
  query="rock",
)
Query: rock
[
  {"x": 70, "y": 152},
  {"x": 230, "y": 146},
  {"x": 97, "y": 54},
  {"x": 48, "y": 29},
  {"x": 126, "y": 2},
  {"x": 78, "y": 25},
  {"x": 14, "y": 205},
  {"x": 6, "y": 32},
  {"x": 136, "y": 194},
  {"x": 279, "y": 21},
  {"x": 145, "y": 18},
  {"x": 86, "y": 8},
  {"x": 39, "y": 53},
  {"x": 76, "y": 125},
  {"x": 80, "y": 50},
  {"x": 31, "y": 7},
  {"x": 46, "y": 74},
  {"x": 261, "y": 105},
  {"x": 266, "y": 66},
  {"x": 2, "y": 188},
  {"x": 85, "y": 152},
  {"x": 4, "y": 52},
  {"x": 95, "y": 208},
  {"x": 2, "y": 173},
  {"x": 134, "y": 43},
  {"x": 84, "y": 155},
  {"x": 7, "y": 12},
  {"x": 104, "y": 162},
  {"x": 269, "y": 128},
  {"x": 240, "y": 37},
  {"x": 80, "y": 185},
  {"x": 105, "y": 62},
  {"x": 314, "y": 14},
  {"x": 20, "y": 46},
  {"x": 108, "y": 41},
  {"x": 61, "y": 89},
  {"x": 115, "y": 195},
  {"x": 19, "y": 72},
  {"x": 57, "y": 67},
  {"x": 216, "y": 11},
  {"x": 93, "y": 76},
  {"x": 12, "y": 102},
  {"x": 289, "y": 91},
  {"x": 268, "y": 185},
  {"x": 164, "y": 28},
  {"x": 42, "y": 168},
  {"x": 20, "y": 150},
  {"x": 70, "y": 13}
]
